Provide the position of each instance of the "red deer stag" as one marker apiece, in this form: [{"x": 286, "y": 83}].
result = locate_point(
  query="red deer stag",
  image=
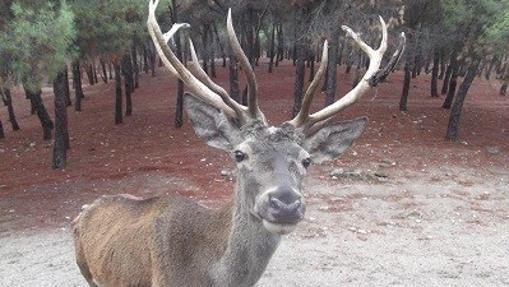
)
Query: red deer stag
[{"x": 173, "y": 241}]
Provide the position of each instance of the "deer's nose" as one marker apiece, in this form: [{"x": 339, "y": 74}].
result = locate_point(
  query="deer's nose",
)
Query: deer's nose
[{"x": 286, "y": 205}]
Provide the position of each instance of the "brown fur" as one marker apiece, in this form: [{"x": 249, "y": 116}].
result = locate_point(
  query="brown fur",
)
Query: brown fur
[{"x": 125, "y": 241}]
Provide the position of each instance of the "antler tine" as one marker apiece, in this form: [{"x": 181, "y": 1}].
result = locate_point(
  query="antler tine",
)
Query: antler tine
[
  {"x": 375, "y": 57},
  {"x": 176, "y": 67},
  {"x": 252, "y": 86},
  {"x": 197, "y": 70},
  {"x": 303, "y": 114}
]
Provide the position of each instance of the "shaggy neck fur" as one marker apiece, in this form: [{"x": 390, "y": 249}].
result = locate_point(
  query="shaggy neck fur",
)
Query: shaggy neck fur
[{"x": 249, "y": 249}]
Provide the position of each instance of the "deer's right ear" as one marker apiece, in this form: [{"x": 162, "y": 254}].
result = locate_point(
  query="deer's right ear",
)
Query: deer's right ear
[{"x": 211, "y": 124}]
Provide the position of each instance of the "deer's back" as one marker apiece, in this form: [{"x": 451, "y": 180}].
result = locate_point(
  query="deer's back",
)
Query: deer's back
[{"x": 123, "y": 240}]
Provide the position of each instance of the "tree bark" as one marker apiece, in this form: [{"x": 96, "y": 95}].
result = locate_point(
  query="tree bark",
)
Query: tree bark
[
  {"x": 233, "y": 77},
  {"x": 61, "y": 142},
  {"x": 2, "y": 134},
  {"x": 272, "y": 48},
  {"x": 212, "y": 55},
  {"x": 451, "y": 90},
  {"x": 128, "y": 83},
  {"x": 406, "y": 87},
  {"x": 42, "y": 113},
  {"x": 135, "y": 68},
  {"x": 10, "y": 109},
  {"x": 179, "y": 111},
  {"x": 104, "y": 75},
  {"x": 454, "y": 118},
  {"x": 434, "y": 74},
  {"x": 118, "y": 94},
  {"x": 205, "y": 44},
  {"x": 503, "y": 89},
  {"x": 300, "y": 72},
  {"x": 77, "y": 85},
  {"x": 68, "y": 100},
  {"x": 331, "y": 75},
  {"x": 94, "y": 71}
]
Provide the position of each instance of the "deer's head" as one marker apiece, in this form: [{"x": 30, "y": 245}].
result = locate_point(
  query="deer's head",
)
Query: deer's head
[{"x": 271, "y": 160}]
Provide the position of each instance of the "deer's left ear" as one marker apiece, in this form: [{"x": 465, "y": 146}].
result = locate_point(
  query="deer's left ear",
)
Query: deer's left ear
[
  {"x": 333, "y": 139},
  {"x": 211, "y": 124}
]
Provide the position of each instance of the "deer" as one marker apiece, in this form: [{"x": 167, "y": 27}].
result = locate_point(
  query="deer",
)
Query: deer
[{"x": 173, "y": 241}]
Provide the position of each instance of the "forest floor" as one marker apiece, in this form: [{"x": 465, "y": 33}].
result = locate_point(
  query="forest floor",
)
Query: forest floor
[{"x": 403, "y": 208}]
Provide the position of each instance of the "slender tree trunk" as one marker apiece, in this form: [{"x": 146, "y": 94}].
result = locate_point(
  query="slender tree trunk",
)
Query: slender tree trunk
[
  {"x": 10, "y": 109},
  {"x": 136, "y": 70},
  {"x": 118, "y": 94},
  {"x": 61, "y": 142},
  {"x": 104, "y": 75},
  {"x": 128, "y": 83},
  {"x": 503, "y": 89},
  {"x": 454, "y": 118},
  {"x": 311, "y": 61},
  {"x": 448, "y": 72},
  {"x": 434, "y": 74},
  {"x": 280, "y": 44},
  {"x": 451, "y": 90},
  {"x": 145, "y": 59},
  {"x": 90, "y": 74},
  {"x": 42, "y": 113},
  {"x": 94, "y": 71},
  {"x": 406, "y": 87},
  {"x": 110, "y": 69},
  {"x": 212, "y": 55},
  {"x": 490, "y": 68},
  {"x": 78, "y": 90},
  {"x": 68, "y": 100},
  {"x": 233, "y": 77},
  {"x": 300, "y": 72},
  {"x": 179, "y": 112},
  {"x": 331, "y": 75},
  {"x": 272, "y": 48},
  {"x": 205, "y": 44},
  {"x": 2, "y": 134},
  {"x": 442, "y": 66}
]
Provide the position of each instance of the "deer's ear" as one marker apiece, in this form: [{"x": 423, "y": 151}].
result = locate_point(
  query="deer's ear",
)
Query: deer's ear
[
  {"x": 333, "y": 139},
  {"x": 211, "y": 125}
]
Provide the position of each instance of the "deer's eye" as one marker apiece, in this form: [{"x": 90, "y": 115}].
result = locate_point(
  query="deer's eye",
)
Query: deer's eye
[
  {"x": 306, "y": 162},
  {"x": 239, "y": 156}
]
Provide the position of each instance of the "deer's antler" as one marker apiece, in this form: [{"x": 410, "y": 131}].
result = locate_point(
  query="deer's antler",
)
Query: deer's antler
[
  {"x": 198, "y": 82},
  {"x": 372, "y": 76}
]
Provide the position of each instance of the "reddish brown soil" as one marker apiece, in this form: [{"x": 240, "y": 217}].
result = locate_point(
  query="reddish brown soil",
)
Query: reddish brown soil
[{"x": 147, "y": 146}]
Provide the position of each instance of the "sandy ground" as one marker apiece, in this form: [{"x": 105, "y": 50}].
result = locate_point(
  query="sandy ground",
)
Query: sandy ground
[{"x": 397, "y": 233}]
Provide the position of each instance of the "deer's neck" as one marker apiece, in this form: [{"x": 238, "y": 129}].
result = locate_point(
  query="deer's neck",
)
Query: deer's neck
[{"x": 249, "y": 249}]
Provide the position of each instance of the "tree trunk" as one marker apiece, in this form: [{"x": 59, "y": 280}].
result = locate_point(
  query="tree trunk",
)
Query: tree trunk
[
  {"x": 94, "y": 71},
  {"x": 61, "y": 143},
  {"x": 406, "y": 87},
  {"x": 451, "y": 90},
  {"x": 331, "y": 73},
  {"x": 145, "y": 60},
  {"x": 42, "y": 113},
  {"x": 110, "y": 69},
  {"x": 503, "y": 89},
  {"x": 90, "y": 74},
  {"x": 135, "y": 70},
  {"x": 10, "y": 109},
  {"x": 179, "y": 112},
  {"x": 233, "y": 77},
  {"x": 434, "y": 74},
  {"x": 78, "y": 90},
  {"x": 205, "y": 44},
  {"x": 454, "y": 118},
  {"x": 68, "y": 100},
  {"x": 272, "y": 48},
  {"x": 2, "y": 134},
  {"x": 300, "y": 72},
  {"x": 128, "y": 83},
  {"x": 448, "y": 73},
  {"x": 280, "y": 44},
  {"x": 118, "y": 94},
  {"x": 212, "y": 55},
  {"x": 311, "y": 61},
  {"x": 104, "y": 75},
  {"x": 490, "y": 68}
]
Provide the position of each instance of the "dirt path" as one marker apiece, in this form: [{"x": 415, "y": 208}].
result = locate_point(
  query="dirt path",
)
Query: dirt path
[{"x": 397, "y": 233}]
